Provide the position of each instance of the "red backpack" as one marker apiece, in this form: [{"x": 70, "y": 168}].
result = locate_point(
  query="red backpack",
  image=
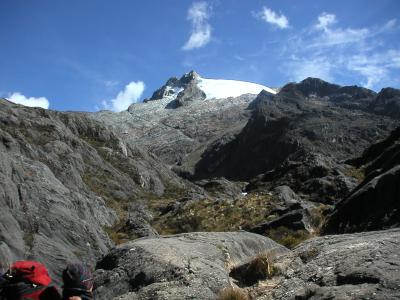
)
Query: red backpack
[
  {"x": 28, "y": 280},
  {"x": 30, "y": 272}
]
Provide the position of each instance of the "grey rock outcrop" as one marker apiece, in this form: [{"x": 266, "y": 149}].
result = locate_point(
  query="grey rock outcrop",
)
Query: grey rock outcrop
[
  {"x": 189, "y": 94},
  {"x": 292, "y": 220},
  {"x": 198, "y": 265},
  {"x": 350, "y": 266},
  {"x": 178, "y": 136},
  {"x": 221, "y": 188},
  {"x": 185, "y": 266},
  {"x": 375, "y": 203},
  {"x": 387, "y": 103},
  {"x": 286, "y": 195},
  {"x": 187, "y": 83},
  {"x": 138, "y": 222}
]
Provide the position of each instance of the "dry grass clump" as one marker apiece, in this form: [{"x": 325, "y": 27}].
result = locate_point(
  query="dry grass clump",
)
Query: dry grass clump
[
  {"x": 288, "y": 237},
  {"x": 318, "y": 216},
  {"x": 261, "y": 267},
  {"x": 232, "y": 294},
  {"x": 211, "y": 215},
  {"x": 357, "y": 173}
]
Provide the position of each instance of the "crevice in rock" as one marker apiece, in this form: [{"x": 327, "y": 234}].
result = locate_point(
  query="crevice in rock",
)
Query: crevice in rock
[
  {"x": 108, "y": 263},
  {"x": 356, "y": 279},
  {"x": 139, "y": 281}
]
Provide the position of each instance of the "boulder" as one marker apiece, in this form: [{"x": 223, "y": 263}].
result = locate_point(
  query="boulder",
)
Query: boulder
[
  {"x": 375, "y": 205},
  {"x": 286, "y": 195},
  {"x": 185, "y": 266},
  {"x": 292, "y": 220},
  {"x": 349, "y": 266}
]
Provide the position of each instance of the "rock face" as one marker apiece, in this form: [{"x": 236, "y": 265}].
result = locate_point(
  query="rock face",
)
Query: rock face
[
  {"x": 174, "y": 86},
  {"x": 322, "y": 178},
  {"x": 350, "y": 266},
  {"x": 189, "y": 94},
  {"x": 387, "y": 103},
  {"x": 178, "y": 136},
  {"x": 186, "y": 266},
  {"x": 375, "y": 203},
  {"x": 61, "y": 177},
  {"x": 301, "y": 119}
]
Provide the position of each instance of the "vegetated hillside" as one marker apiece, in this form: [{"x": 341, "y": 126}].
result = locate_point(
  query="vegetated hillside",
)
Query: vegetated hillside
[
  {"x": 65, "y": 179},
  {"x": 375, "y": 203}
]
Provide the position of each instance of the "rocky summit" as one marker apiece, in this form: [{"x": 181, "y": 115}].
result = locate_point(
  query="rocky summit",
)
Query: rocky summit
[{"x": 211, "y": 188}]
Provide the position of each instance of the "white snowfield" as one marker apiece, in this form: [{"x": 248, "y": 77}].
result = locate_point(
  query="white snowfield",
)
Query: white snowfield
[{"x": 222, "y": 88}]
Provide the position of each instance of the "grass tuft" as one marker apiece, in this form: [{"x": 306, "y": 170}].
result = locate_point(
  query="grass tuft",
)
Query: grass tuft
[
  {"x": 357, "y": 173},
  {"x": 261, "y": 267},
  {"x": 232, "y": 294},
  {"x": 288, "y": 237}
]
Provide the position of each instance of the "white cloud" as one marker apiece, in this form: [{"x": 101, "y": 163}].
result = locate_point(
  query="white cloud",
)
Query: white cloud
[
  {"x": 325, "y": 20},
  {"x": 376, "y": 67},
  {"x": 329, "y": 51},
  {"x": 131, "y": 94},
  {"x": 274, "y": 18},
  {"x": 389, "y": 25},
  {"x": 319, "y": 67},
  {"x": 110, "y": 83},
  {"x": 337, "y": 36},
  {"x": 340, "y": 37},
  {"x": 198, "y": 14},
  {"x": 29, "y": 101}
]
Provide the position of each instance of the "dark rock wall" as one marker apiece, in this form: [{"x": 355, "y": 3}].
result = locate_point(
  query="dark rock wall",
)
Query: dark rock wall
[{"x": 375, "y": 203}]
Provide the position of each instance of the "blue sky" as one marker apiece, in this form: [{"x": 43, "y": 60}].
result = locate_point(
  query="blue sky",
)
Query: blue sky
[{"x": 90, "y": 55}]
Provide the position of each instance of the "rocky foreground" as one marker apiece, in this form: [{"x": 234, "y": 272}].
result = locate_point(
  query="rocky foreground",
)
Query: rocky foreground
[{"x": 200, "y": 265}]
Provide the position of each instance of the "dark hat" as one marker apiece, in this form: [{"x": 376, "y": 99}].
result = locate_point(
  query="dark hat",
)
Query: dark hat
[{"x": 77, "y": 276}]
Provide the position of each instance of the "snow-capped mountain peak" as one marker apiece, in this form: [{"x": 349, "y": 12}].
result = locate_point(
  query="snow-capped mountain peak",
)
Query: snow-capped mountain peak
[{"x": 192, "y": 87}]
